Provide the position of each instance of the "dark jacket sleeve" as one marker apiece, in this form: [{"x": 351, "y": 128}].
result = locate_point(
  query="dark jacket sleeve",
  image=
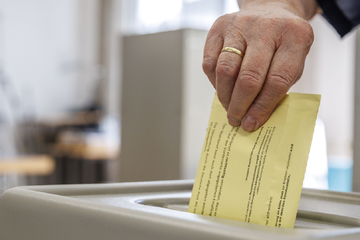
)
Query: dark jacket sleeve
[{"x": 343, "y": 15}]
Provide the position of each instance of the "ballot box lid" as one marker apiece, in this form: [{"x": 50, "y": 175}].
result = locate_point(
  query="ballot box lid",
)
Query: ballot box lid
[{"x": 158, "y": 210}]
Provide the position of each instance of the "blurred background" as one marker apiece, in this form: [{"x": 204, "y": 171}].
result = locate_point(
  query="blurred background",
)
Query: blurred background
[{"x": 113, "y": 90}]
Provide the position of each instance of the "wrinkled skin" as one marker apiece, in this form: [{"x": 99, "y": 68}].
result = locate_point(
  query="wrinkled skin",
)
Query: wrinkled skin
[{"x": 275, "y": 39}]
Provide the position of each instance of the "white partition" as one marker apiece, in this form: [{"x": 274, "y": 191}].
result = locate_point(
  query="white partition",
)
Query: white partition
[{"x": 166, "y": 101}]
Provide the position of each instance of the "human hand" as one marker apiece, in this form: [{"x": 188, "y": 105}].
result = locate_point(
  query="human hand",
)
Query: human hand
[{"x": 275, "y": 39}]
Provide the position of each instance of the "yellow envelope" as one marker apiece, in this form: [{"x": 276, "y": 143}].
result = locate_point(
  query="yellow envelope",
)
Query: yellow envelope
[{"x": 256, "y": 177}]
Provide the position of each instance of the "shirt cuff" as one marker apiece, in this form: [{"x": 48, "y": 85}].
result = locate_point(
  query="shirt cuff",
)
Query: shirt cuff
[{"x": 335, "y": 16}]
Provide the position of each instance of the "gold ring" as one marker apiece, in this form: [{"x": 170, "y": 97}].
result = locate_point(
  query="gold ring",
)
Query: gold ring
[{"x": 234, "y": 50}]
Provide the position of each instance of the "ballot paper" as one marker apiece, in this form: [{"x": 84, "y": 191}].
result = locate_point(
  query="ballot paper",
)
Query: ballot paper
[{"x": 256, "y": 177}]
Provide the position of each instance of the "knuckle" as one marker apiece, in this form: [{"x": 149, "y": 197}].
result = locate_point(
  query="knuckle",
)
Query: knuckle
[
  {"x": 307, "y": 33},
  {"x": 280, "y": 83},
  {"x": 226, "y": 69},
  {"x": 250, "y": 80},
  {"x": 208, "y": 65},
  {"x": 303, "y": 31},
  {"x": 220, "y": 23},
  {"x": 221, "y": 19}
]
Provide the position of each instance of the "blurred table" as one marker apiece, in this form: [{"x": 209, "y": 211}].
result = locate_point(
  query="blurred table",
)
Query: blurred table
[
  {"x": 84, "y": 163},
  {"x": 27, "y": 165},
  {"x": 84, "y": 145},
  {"x": 16, "y": 170}
]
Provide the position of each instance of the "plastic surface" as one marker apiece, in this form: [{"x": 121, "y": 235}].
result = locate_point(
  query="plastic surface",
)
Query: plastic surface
[{"x": 157, "y": 210}]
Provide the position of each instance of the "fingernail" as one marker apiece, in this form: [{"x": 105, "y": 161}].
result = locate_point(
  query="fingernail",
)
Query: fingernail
[
  {"x": 234, "y": 122},
  {"x": 248, "y": 124}
]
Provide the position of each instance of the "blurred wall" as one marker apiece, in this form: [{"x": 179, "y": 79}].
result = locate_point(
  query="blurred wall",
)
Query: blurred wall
[
  {"x": 111, "y": 52},
  {"x": 356, "y": 167},
  {"x": 49, "y": 49},
  {"x": 329, "y": 71}
]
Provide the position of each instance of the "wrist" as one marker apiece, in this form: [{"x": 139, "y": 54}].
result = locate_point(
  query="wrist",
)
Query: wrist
[{"x": 305, "y": 9}]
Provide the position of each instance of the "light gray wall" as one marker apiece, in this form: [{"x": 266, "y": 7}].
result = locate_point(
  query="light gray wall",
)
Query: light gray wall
[{"x": 48, "y": 49}]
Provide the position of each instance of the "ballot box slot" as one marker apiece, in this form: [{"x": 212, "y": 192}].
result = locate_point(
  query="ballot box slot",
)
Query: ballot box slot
[
  {"x": 304, "y": 219},
  {"x": 318, "y": 220}
]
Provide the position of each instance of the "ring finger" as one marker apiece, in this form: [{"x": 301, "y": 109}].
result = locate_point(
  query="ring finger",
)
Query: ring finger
[{"x": 227, "y": 71}]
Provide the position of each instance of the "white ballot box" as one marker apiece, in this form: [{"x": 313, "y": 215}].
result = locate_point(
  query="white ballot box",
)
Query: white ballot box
[{"x": 157, "y": 210}]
